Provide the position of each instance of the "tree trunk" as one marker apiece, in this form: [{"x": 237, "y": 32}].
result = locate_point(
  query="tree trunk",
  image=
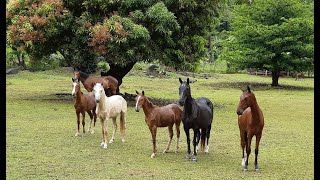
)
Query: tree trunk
[
  {"x": 118, "y": 72},
  {"x": 275, "y": 77}
]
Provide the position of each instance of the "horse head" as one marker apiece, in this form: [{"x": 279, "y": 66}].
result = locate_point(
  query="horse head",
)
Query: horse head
[
  {"x": 98, "y": 91},
  {"x": 76, "y": 74},
  {"x": 184, "y": 91},
  {"x": 75, "y": 86},
  {"x": 140, "y": 98},
  {"x": 246, "y": 99}
]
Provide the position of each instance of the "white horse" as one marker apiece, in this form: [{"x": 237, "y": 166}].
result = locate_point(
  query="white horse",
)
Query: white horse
[{"x": 110, "y": 107}]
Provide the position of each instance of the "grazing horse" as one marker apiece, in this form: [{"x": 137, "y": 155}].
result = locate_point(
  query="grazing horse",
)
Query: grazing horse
[
  {"x": 198, "y": 114},
  {"x": 155, "y": 116},
  {"x": 88, "y": 82},
  {"x": 110, "y": 107},
  {"x": 251, "y": 122},
  {"x": 83, "y": 103}
]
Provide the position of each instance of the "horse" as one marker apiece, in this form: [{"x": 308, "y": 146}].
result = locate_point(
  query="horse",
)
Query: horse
[
  {"x": 197, "y": 114},
  {"x": 110, "y": 107},
  {"x": 88, "y": 82},
  {"x": 155, "y": 116},
  {"x": 83, "y": 103},
  {"x": 251, "y": 122}
]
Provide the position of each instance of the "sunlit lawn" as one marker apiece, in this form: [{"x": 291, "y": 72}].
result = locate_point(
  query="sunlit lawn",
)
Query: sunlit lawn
[{"x": 40, "y": 130}]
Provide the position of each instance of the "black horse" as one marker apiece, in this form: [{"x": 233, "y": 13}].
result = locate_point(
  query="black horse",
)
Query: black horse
[{"x": 197, "y": 114}]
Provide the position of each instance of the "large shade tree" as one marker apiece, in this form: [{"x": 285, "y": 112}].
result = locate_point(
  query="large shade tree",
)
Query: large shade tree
[
  {"x": 272, "y": 35},
  {"x": 122, "y": 31}
]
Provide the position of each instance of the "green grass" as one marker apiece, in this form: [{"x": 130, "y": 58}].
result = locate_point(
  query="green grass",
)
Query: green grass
[{"x": 40, "y": 130}]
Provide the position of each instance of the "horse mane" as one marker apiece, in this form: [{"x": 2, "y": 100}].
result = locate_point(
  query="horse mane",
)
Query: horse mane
[
  {"x": 149, "y": 103},
  {"x": 84, "y": 75}
]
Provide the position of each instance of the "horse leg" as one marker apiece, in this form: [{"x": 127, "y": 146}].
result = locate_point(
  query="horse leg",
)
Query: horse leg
[
  {"x": 104, "y": 132},
  {"x": 170, "y": 140},
  {"x": 208, "y": 136},
  {"x": 242, "y": 136},
  {"x": 203, "y": 138},
  {"x": 198, "y": 140},
  {"x": 178, "y": 135},
  {"x": 256, "y": 151},
  {"x": 78, "y": 122},
  {"x": 154, "y": 135},
  {"x": 123, "y": 125},
  {"x": 94, "y": 120},
  {"x": 186, "y": 130},
  {"x": 83, "y": 122},
  {"x": 195, "y": 134},
  {"x": 91, "y": 118},
  {"x": 114, "y": 120},
  {"x": 248, "y": 149}
]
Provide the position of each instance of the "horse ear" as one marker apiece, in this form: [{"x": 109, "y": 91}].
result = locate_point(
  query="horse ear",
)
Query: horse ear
[
  {"x": 241, "y": 89},
  {"x": 142, "y": 93},
  {"x": 188, "y": 81},
  {"x": 180, "y": 80},
  {"x": 137, "y": 92},
  {"x": 248, "y": 89}
]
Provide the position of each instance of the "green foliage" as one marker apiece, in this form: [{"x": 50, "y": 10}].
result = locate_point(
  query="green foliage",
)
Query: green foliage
[
  {"x": 103, "y": 66},
  {"x": 272, "y": 35},
  {"x": 123, "y": 31}
]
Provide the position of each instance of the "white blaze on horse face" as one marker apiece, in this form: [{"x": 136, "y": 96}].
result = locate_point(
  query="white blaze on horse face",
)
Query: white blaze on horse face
[
  {"x": 73, "y": 89},
  {"x": 137, "y": 103}
]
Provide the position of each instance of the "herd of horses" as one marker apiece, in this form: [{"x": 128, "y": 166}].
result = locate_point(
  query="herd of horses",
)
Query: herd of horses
[{"x": 197, "y": 114}]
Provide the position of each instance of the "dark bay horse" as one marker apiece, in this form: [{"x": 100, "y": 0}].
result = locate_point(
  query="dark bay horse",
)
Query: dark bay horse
[
  {"x": 197, "y": 114},
  {"x": 88, "y": 82},
  {"x": 83, "y": 103},
  {"x": 251, "y": 122},
  {"x": 155, "y": 116}
]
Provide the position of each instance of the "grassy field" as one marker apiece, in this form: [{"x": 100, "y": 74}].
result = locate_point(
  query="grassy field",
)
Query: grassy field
[{"x": 40, "y": 128}]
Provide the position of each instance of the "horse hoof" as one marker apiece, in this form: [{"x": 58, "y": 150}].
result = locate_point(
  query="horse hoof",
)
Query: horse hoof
[
  {"x": 153, "y": 155},
  {"x": 245, "y": 170},
  {"x": 194, "y": 159},
  {"x": 188, "y": 156},
  {"x": 92, "y": 132},
  {"x": 102, "y": 144},
  {"x": 165, "y": 151},
  {"x": 111, "y": 141},
  {"x": 256, "y": 168},
  {"x": 123, "y": 140},
  {"x": 77, "y": 134}
]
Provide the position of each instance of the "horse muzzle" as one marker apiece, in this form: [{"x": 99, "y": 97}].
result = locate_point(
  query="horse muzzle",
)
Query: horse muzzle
[
  {"x": 137, "y": 110},
  {"x": 97, "y": 101},
  {"x": 239, "y": 112},
  {"x": 181, "y": 103}
]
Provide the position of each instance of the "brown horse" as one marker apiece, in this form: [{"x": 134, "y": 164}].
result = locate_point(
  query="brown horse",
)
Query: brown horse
[
  {"x": 251, "y": 122},
  {"x": 88, "y": 82},
  {"x": 83, "y": 103},
  {"x": 156, "y": 116}
]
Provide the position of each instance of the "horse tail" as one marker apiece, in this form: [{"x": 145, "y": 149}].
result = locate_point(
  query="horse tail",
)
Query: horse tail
[
  {"x": 122, "y": 122},
  {"x": 203, "y": 138},
  {"x": 123, "y": 116}
]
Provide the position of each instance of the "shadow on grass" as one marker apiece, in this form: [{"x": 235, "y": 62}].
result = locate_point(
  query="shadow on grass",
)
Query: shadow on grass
[
  {"x": 67, "y": 98},
  {"x": 257, "y": 86}
]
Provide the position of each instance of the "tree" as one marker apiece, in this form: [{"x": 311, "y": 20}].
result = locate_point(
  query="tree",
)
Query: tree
[
  {"x": 122, "y": 31},
  {"x": 271, "y": 35}
]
